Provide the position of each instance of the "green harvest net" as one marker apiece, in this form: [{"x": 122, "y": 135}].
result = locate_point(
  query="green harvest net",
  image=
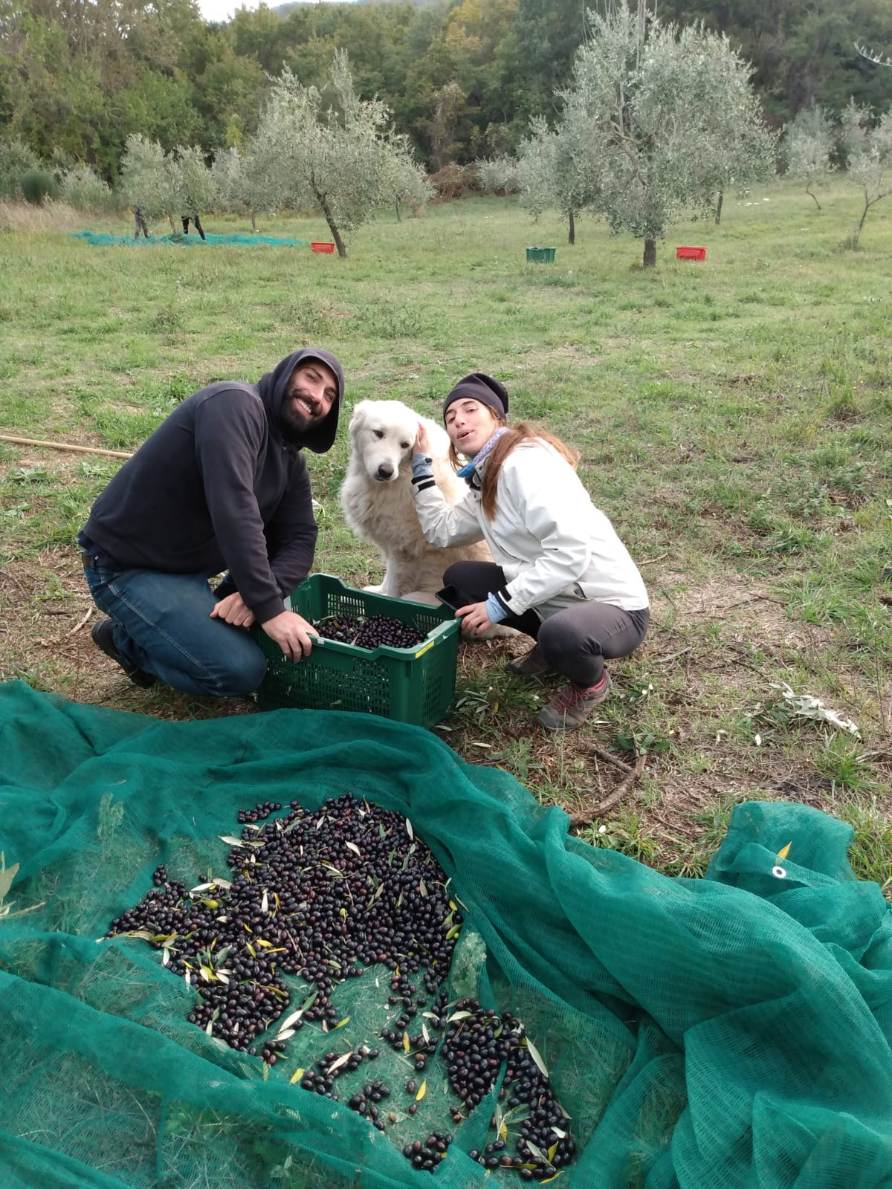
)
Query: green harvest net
[
  {"x": 104, "y": 240},
  {"x": 730, "y": 1031}
]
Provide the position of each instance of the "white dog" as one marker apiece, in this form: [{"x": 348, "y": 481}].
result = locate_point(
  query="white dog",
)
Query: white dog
[{"x": 376, "y": 497}]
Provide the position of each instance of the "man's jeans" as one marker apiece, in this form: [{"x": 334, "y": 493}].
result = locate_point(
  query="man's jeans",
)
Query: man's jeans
[{"x": 163, "y": 626}]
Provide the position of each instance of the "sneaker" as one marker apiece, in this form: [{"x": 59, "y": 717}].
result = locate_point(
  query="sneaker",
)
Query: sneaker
[
  {"x": 572, "y": 705},
  {"x": 531, "y": 664},
  {"x": 103, "y": 634}
]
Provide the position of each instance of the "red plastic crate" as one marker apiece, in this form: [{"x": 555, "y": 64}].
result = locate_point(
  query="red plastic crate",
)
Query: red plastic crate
[
  {"x": 690, "y": 253},
  {"x": 321, "y": 246}
]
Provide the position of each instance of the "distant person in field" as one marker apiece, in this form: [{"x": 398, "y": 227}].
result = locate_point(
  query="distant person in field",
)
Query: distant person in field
[
  {"x": 140, "y": 223},
  {"x": 197, "y": 221},
  {"x": 560, "y": 572},
  {"x": 220, "y": 485}
]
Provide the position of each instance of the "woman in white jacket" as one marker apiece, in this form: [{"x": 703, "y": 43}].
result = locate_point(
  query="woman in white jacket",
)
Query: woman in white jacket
[{"x": 560, "y": 572}]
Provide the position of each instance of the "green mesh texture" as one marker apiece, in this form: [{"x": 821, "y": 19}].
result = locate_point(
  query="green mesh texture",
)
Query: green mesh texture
[
  {"x": 730, "y": 1031},
  {"x": 102, "y": 239}
]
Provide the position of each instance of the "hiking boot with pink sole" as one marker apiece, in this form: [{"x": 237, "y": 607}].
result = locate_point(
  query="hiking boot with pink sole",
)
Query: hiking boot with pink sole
[
  {"x": 531, "y": 664},
  {"x": 573, "y": 704}
]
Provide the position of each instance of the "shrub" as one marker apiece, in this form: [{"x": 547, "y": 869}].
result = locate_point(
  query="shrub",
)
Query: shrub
[
  {"x": 37, "y": 185},
  {"x": 453, "y": 181},
  {"x": 498, "y": 175},
  {"x": 85, "y": 190},
  {"x": 16, "y": 159}
]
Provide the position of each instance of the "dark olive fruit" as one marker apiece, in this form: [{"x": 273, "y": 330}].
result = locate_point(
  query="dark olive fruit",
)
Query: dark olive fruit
[
  {"x": 370, "y": 632},
  {"x": 319, "y": 896}
]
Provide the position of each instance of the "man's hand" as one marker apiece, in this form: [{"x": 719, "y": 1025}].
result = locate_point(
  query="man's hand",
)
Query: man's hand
[
  {"x": 474, "y": 619},
  {"x": 292, "y": 633},
  {"x": 233, "y": 609},
  {"x": 422, "y": 445}
]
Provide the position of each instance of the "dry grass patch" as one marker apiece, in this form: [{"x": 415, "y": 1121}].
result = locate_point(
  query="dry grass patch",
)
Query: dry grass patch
[{"x": 48, "y": 216}]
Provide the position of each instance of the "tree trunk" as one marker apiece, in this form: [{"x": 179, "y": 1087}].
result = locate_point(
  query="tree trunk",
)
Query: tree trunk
[
  {"x": 173, "y": 226},
  {"x": 812, "y": 196},
  {"x": 332, "y": 226},
  {"x": 396, "y": 207},
  {"x": 718, "y": 206},
  {"x": 253, "y": 221},
  {"x": 856, "y": 237},
  {"x": 571, "y": 232},
  {"x": 650, "y": 253}
]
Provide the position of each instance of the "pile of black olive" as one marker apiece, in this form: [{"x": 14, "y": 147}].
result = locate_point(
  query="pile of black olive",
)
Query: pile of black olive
[
  {"x": 317, "y": 895},
  {"x": 369, "y": 632},
  {"x": 478, "y": 1042},
  {"x": 343, "y": 628},
  {"x": 320, "y": 896}
]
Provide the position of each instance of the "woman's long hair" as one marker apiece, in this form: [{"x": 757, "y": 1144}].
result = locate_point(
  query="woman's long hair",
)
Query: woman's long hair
[{"x": 524, "y": 431}]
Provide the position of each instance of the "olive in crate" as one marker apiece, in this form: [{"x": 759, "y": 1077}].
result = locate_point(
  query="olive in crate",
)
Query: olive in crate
[
  {"x": 387, "y": 656},
  {"x": 381, "y": 629},
  {"x": 337, "y": 627}
]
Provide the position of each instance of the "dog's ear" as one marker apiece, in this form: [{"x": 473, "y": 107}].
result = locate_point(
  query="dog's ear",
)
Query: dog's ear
[{"x": 359, "y": 416}]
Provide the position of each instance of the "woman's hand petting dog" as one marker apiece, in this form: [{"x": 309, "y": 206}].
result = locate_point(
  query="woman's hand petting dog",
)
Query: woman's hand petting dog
[
  {"x": 422, "y": 445},
  {"x": 474, "y": 619}
]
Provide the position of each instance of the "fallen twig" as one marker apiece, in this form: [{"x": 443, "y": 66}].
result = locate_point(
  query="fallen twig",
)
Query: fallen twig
[
  {"x": 609, "y": 758},
  {"x": 5, "y": 437},
  {"x": 673, "y": 656},
  {"x": 80, "y": 623},
  {"x": 649, "y": 561},
  {"x": 586, "y": 816}
]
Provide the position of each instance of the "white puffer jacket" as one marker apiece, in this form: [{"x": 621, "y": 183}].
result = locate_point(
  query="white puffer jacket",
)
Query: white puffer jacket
[{"x": 553, "y": 544}]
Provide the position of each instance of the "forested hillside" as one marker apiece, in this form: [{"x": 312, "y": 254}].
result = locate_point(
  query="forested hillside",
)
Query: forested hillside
[{"x": 462, "y": 77}]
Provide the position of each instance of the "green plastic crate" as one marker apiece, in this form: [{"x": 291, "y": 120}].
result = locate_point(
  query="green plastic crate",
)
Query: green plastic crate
[
  {"x": 414, "y": 685},
  {"x": 540, "y": 255}
]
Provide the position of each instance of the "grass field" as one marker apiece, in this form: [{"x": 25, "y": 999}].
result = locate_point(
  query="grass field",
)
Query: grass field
[{"x": 734, "y": 419}]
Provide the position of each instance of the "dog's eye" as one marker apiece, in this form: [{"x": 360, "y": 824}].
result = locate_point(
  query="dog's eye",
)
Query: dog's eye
[
  {"x": 379, "y": 433},
  {"x": 404, "y": 445}
]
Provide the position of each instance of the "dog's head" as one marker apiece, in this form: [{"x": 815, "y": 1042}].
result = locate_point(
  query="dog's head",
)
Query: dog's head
[{"x": 382, "y": 434}]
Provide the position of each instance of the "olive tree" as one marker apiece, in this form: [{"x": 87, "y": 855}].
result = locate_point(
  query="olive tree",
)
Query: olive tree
[
  {"x": 403, "y": 181},
  {"x": 165, "y": 184},
  {"x": 808, "y": 148},
  {"x": 334, "y": 153},
  {"x": 868, "y": 150},
  {"x": 553, "y": 166},
  {"x": 147, "y": 181},
  {"x": 248, "y": 181},
  {"x": 227, "y": 171},
  {"x": 669, "y": 120},
  {"x": 192, "y": 181}
]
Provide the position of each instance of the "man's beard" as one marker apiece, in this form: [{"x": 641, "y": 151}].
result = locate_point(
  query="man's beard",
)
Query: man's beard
[{"x": 294, "y": 422}]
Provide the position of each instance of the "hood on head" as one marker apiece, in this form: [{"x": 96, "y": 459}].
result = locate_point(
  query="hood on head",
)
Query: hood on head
[{"x": 273, "y": 388}]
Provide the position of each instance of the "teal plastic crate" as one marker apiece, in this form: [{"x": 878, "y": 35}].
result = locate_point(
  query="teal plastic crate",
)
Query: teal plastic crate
[
  {"x": 413, "y": 685},
  {"x": 540, "y": 255}
]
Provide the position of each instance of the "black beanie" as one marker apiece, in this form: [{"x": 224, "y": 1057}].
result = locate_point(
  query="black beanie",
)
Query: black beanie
[{"x": 479, "y": 386}]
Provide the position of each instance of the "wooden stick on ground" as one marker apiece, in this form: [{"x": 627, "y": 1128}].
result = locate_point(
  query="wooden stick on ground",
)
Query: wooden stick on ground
[
  {"x": 80, "y": 623},
  {"x": 609, "y": 758},
  {"x": 586, "y": 816},
  {"x": 5, "y": 437}
]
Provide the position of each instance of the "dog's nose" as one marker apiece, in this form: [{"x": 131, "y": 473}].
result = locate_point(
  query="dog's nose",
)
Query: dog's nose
[{"x": 385, "y": 470}]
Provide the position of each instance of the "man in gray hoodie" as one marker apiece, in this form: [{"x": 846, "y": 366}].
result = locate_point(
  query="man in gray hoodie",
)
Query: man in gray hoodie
[{"x": 220, "y": 485}]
